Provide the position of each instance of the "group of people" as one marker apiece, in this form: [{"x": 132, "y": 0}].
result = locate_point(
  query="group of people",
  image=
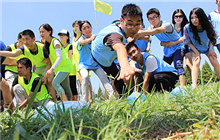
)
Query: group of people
[{"x": 119, "y": 55}]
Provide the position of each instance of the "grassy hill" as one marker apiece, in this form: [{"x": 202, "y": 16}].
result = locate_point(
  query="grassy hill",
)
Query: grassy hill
[{"x": 194, "y": 116}]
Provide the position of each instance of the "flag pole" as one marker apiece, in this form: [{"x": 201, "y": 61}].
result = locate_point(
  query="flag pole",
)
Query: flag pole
[{"x": 96, "y": 18}]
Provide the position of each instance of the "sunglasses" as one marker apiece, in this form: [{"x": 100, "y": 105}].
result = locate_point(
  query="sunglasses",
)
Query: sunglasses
[{"x": 178, "y": 16}]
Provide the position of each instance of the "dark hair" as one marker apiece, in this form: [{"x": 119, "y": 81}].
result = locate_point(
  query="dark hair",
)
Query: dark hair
[
  {"x": 184, "y": 22},
  {"x": 47, "y": 27},
  {"x": 19, "y": 35},
  {"x": 68, "y": 40},
  {"x": 83, "y": 22},
  {"x": 153, "y": 10},
  {"x": 28, "y": 32},
  {"x": 74, "y": 23},
  {"x": 131, "y": 10},
  {"x": 206, "y": 25},
  {"x": 129, "y": 45},
  {"x": 25, "y": 61}
]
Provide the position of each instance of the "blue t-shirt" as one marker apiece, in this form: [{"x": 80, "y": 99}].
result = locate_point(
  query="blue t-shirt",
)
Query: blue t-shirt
[
  {"x": 86, "y": 60},
  {"x": 188, "y": 38},
  {"x": 168, "y": 36},
  {"x": 214, "y": 18},
  {"x": 3, "y": 47}
]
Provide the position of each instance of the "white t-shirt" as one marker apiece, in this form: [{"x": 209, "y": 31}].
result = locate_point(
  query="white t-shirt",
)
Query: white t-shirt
[
  {"x": 55, "y": 42},
  {"x": 151, "y": 63}
]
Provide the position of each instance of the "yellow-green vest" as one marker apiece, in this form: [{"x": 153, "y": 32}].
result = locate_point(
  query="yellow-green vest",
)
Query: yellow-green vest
[
  {"x": 43, "y": 94},
  {"x": 65, "y": 64},
  {"x": 73, "y": 70},
  {"x": 76, "y": 54},
  {"x": 14, "y": 68},
  {"x": 37, "y": 59}
]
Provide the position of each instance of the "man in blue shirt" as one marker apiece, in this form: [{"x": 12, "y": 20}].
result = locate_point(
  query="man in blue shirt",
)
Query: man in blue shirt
[
  {"x": 157, "y": 74},
  {"x": 172, "y": 42},
  {"x": 109, "y": 45}
]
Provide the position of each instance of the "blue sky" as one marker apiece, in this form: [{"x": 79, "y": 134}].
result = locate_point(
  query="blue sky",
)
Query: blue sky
[{"x": 17, "y": 15}]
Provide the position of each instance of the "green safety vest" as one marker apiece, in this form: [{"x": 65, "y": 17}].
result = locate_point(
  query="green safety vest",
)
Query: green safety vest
[
  {"x": 76, "y": 54},
  {"x": 14, "y": 68},
  {"x": 73, "y": 70},
  {"x": 65, "y": 64},
  {"x": 37, "y": 59},
  {"x": 43, "y": 94}
]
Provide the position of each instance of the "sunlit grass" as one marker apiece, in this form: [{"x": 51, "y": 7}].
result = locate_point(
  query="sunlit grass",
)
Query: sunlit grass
[{"x": 156, "y": 117}]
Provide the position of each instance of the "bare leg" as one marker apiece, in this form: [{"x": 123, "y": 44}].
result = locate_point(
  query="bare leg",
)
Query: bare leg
[
  {"x": 195, "y": 68},
  {"x": 188, "y": 61},
  {"x": 6, "y": 95},
  {"x": 51, "y": 89},
  {"x": 213, "y": 60},
  {"x": 182, "y": 79},
  {"x": 64, "y": 97}
]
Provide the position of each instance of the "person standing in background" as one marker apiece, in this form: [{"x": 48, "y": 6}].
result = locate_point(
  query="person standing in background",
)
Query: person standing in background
[
  {"x": 214, "y": 18},
  {"x": 76, "y": 55},
  {"x": 60, "y": 62},
  {"x": 65, "y": 39},
  {"x": 200, "y": 36}
]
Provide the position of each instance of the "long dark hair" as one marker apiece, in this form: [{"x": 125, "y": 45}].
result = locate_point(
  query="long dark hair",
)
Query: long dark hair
[
  {"x": 206, "y": 25},
  {"x": 74, "y": 23},
  {"x": 47, "y": 27},
  {"x": 185, "y": 20},
  {"x": 83, "y": 22}
]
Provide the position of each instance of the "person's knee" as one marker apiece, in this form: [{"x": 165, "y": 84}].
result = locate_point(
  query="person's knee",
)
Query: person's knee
[
  {"x": 55, "y": 83},
  {"x": 215, "y": 63},
  {"x": 17, "y": 88},
  {"x": 196, "y": 61}
]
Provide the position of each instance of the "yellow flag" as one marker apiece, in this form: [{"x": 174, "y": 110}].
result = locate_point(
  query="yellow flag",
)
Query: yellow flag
[{"x": 103, "y": 7}]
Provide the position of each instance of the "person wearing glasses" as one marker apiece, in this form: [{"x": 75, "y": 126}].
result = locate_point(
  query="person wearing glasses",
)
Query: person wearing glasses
[
  {"x": 172, "y": 42},
  {"x": 109, "y": 44},
  {"x": 179, "y": 20},
  {"x": 156, "y": 74}
]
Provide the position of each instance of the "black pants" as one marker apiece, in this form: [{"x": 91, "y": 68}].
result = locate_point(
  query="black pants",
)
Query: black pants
[
  {"x": 163, "y": 80},
  {"x": 72, "y": 79},
  {"x": 114, "y": 72}
]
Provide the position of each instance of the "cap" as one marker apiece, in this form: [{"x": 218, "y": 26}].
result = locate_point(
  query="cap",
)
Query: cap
[{"x": 64, "y": 31}]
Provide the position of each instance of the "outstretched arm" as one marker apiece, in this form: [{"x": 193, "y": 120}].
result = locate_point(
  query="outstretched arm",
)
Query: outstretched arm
[
  {"x": 143, "y": 33},
  {"x": 87, "y": 41},
  {"x": 14, "y": 53},
  {"x": 126, "y": 68}
]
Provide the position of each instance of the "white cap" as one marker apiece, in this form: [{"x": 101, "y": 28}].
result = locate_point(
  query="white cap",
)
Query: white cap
[{"x": 64, "y": 31}]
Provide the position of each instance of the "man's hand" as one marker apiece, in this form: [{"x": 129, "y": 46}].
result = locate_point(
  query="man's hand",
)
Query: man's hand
[{"x": 127, "y": 71}]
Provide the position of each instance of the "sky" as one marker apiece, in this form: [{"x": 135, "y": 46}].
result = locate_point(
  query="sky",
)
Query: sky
[{"x": 18, "y": 15}]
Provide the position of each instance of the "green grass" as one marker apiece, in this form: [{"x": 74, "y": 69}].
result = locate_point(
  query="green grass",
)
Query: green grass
[{"x": 155, "y": 118}]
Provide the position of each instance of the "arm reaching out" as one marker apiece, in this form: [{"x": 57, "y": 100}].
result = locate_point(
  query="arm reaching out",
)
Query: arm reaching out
[{"x": 126, "y": 68}]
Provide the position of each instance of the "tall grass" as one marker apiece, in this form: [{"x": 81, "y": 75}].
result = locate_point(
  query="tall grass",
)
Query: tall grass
[{"x": 155, "y": 118}]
